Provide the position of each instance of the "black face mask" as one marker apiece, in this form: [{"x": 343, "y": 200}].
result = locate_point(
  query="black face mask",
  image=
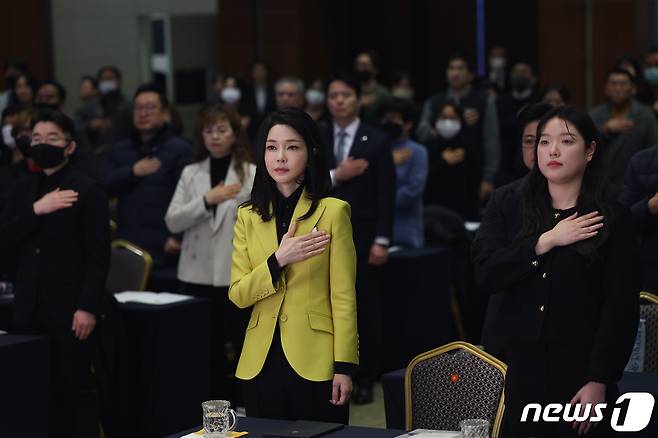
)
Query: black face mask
[
  {"x": 47, "y": 156},
  {"x": 394, "y": 130},
  {"x": 23, "y": 145},
  {"x": 519, "y": 83},
  {"x": 10, "y": 81},
  {"x": 362, "y": 76}
]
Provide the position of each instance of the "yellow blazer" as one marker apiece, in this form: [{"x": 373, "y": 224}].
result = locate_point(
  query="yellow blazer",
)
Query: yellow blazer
[{"x": 314, "y": 302}]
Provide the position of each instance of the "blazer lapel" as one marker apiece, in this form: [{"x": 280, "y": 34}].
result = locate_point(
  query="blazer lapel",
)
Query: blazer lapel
[
  {"x": 360, "y": 140},
  {"x": 201, "y": 179},
  {"x": 306, "y": 226},
  {"x": 266, "y": 233}
]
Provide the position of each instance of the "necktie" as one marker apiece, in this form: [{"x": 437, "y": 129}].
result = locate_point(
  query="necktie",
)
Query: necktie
[{"x": 342, "y": 145}]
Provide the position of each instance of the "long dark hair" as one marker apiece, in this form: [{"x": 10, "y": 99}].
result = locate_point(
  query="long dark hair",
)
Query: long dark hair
[
  {"x": 240, "y": 150},
  {"x": 536, "y": 206},
  {"x": 316, "y": 176}
]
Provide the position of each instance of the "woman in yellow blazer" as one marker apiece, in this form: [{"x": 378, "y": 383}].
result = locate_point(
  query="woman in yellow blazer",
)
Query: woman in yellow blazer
[{"x": 294, "y": 262}]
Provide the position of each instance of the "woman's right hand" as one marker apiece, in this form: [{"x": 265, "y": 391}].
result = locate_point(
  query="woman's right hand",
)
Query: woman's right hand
[
  {"x": 221, "y": 193},
  {"x": 296, "y": 249},
  {"x": 570, "y": 230}
]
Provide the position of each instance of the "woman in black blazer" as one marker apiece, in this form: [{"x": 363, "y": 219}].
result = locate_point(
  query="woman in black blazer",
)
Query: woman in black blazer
[{"x": 561, "y": 254}]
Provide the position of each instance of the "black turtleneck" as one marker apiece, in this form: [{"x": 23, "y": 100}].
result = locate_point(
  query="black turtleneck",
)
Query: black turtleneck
[
  {"x": 283, "y": 211},
  {"x": 219, "y": 169}
]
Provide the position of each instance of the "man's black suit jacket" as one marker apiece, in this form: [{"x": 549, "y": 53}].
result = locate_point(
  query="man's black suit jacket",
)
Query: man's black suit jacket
[
  {"x": 372, "y": 194},
  {"x": 62, "y": 257}
]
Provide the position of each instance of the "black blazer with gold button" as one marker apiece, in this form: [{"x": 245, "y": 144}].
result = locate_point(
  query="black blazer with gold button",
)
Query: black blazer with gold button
[{"x": 560, "y": 296}]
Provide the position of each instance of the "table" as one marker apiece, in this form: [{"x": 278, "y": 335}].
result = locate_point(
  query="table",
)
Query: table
[
  {"x": 416, "y": 304},
  {"x": 24, "y": 385},
  {"x": 393, "y": 384},
  {"x": 160, "y": 374},
  {"x": 257, "y": 426},
  {"x": 164, "y": 371},
  {"x": 6, "y": 312}
]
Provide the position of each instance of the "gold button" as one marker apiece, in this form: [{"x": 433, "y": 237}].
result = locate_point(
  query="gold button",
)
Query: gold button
[
  {"x": 284, "y": 317},
  {"x": 535, "y": 263},
  {"x": 541, "y": 309},
  {"x": 544, "y": 275}
]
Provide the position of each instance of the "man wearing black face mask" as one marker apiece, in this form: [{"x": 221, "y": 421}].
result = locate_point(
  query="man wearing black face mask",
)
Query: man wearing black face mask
[
  {"x": 373, "y": 94},
  {"x": 523, "y": 83},
  {"x": 57, "y": 224},
  {"x": 411, "y": 167}
]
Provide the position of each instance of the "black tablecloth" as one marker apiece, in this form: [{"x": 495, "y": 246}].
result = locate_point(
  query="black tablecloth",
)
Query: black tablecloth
[
  {"x": 5, "y": 312},
  {"x": 393, "y": 384},
  {"x": 416, "y": 307},
  {"x": 159, "y": 366},
  {"x": 165, "y": 373},
  {"x": 23, "y": 386},
  {"x": 257, "y": 426}
]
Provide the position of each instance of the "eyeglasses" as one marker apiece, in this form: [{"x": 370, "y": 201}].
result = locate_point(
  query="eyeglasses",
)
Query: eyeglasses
[
  {"x": 50, "y": 139},
  {"x": 146, "y": 109}
]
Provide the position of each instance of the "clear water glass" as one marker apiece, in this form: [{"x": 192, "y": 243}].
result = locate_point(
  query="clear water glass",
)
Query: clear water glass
[
  {"x": 474, "y": 428},
  {"x": 218, "y": 418}
]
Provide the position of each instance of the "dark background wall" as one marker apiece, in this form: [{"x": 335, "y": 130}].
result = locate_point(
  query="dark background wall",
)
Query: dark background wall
[
  {"x": 25, "y": 34},
  {"x": 311, "y": 38}
]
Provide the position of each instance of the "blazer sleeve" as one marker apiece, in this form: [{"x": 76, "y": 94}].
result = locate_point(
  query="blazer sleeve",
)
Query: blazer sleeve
[
  {"x": 185, "y": 211},
  {"x": 620, "y": 309},
  {"x": 17, "y": 218},
  {"x": 249, "y": 283},
  {"x": 385, "y": 174},
  {"x": 498, "y": 261},
  {"x": 96, "y": 234},
  {"x": 342, "y": 278}
]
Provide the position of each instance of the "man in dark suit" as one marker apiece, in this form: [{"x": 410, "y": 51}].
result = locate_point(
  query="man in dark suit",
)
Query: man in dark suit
[
  {"x": 56, "y": 222},
  {"x": 143, "y": 172},
  {"x": 363, "y": 174}
]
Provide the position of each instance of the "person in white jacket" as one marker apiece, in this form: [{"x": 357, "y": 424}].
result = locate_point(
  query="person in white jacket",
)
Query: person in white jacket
[{"x": 204, "y": 209}]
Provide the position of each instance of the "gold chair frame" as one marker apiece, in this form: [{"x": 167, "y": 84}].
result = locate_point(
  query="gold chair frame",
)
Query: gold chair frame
[
  {"x": 457, "y": 345},
  {"x": 648, "y": 296},
  {"x": 148, "y": 260}
]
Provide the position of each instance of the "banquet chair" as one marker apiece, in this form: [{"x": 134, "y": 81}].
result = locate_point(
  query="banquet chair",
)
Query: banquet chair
[
  {"x": 130, "y": 267},
  {"x": 451, "y": 383},
  {"x": 649, "y": 311}
]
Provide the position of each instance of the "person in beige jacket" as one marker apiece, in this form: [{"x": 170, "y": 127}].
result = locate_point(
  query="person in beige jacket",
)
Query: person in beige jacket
[{"x": 204, "y": 208}]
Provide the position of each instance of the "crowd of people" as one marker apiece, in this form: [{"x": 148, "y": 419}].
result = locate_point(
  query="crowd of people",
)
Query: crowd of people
[{"x": 241, "y": 208}]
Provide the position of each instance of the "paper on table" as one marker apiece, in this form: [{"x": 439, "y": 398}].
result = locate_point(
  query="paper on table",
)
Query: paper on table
[
  {"x": 150, "y": 297},
  {"x": 232, "y": 434},
  {"x": 427, "y": 433}
]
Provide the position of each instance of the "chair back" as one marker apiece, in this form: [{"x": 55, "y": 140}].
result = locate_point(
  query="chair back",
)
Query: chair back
[
  {"x": 130, "y": 267},
  {"x": 451, "y": 383},
  {"x": 649, "y": 311}
]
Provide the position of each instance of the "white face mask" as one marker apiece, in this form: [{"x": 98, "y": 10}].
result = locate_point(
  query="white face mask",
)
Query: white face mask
[
  {"x": 497, "y": 62},
  {"x": 106, "y": 86},
  {"x": 231, "y": 95},
  {"x": 7, "y": 139},
  {"x": 448, "y": 128},
  {"x": 315, "y": 97},
  {"x": 403, "y": 93}
]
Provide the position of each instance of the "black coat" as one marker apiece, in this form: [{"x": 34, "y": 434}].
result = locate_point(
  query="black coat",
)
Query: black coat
[
  {"x": 640, "y": 184},
  {"x": 559, "y": 296},
  {"x": 143, "y": 202},
  {"x": 372, "y": 194},
  {"x": 62, "y": 257}
]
